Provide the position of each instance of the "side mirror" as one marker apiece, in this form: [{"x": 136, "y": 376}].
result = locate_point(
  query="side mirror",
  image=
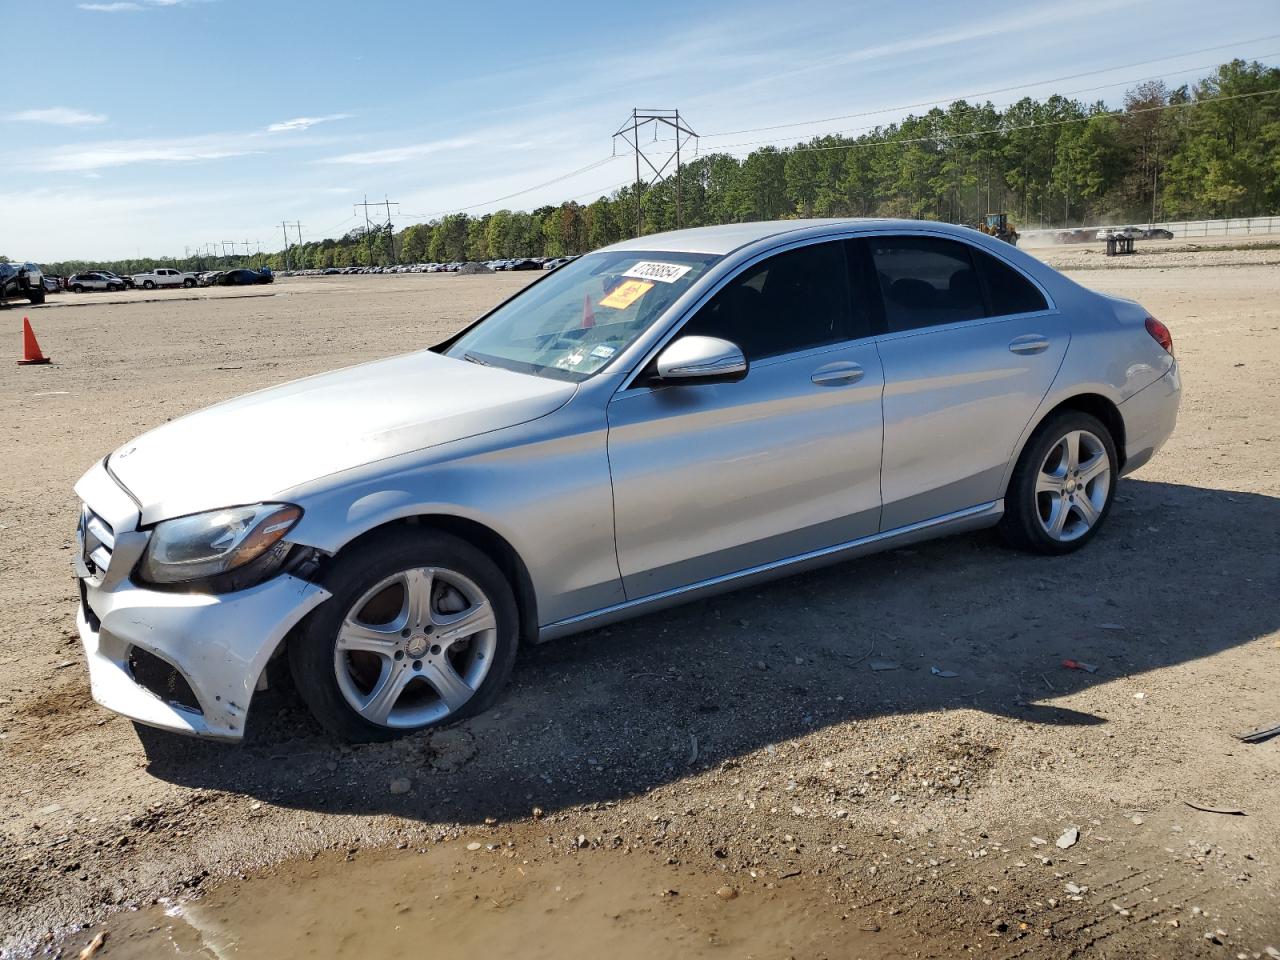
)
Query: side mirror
[{"x": 691, "y": 360}]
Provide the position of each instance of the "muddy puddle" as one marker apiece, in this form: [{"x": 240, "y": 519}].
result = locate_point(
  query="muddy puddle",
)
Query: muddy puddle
[{"x": 447, "y": 901}]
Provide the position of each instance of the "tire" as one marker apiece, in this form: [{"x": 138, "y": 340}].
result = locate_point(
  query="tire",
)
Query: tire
[
  {"x": 148, "y": 285},
  {"x": 36, "y": 296},
  {"x": 188, "y": 283},
  {"x": 332, "y": 656},
  {"x": 77, "y": 288},
  {"x": 1054, "y": 506}
]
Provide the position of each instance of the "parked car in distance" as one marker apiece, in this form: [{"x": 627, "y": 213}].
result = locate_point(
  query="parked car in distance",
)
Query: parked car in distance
[
  {"x": 1133, "y": 233},
  {"x": 527, "y": 263},
  {"x": 53, "y": 284},
  {"x": 80, "y": 282},
  {"x": 243, "y": 277},
  {"x": 21, "y": 281},
  {"x": 127, "y": 281},
  {"x": 164, "y": 277},
  {"x": 1157, "y": 233},
  {"x": 657, "y": 421}
]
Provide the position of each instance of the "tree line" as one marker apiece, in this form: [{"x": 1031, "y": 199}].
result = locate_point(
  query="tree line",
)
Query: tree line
[{"x": 1203, "y": 150}]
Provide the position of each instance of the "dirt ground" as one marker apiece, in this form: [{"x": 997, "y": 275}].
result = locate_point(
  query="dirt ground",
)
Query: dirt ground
[{"x": 743, "y": 745}]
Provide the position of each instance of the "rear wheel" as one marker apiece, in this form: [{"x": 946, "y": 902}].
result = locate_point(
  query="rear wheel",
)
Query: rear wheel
[
  {"x": 148, "y": 285},
  {"x": 36, "y": 296},
  {"x": 77, "y": 288},
  {"x": 421, "y": 630},
  {"x": 188, "y": 283},
  {"x": 1063, "y": 486}
]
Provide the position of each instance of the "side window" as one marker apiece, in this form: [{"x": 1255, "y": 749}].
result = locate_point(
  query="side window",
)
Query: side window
[
  {"x": 1010, "y": 291},
  {"x": 789, "y": 302},
  {"x": 926, "y": 281}
]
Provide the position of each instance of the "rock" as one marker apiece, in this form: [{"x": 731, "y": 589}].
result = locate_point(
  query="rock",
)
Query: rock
[
  {"x": 51, "y": 808},
  {"x": 399, "y": 785},
  {"x": 1272, "y": 952},
  {"x": 474, "y": 845},
  {"x": 537, "y": 813},
  {"x": 1137, "y": 821},
  {"x": 1074, "y": 889},
  {"x": 726, "y": 893},
  {"x": 879, "y": 665},
  {"x": 582, "y": 842},
  {"x": 1068, "y": 839}
]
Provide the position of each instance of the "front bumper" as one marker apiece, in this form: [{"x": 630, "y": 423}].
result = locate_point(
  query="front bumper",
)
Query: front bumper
[{"x": 218, "y": 644}]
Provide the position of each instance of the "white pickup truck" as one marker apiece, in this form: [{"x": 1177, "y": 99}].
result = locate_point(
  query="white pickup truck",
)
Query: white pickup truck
[{"x": 163, "y": 277}]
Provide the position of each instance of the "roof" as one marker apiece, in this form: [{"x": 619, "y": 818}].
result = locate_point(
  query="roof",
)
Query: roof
[{"x": 728, "y": 237}]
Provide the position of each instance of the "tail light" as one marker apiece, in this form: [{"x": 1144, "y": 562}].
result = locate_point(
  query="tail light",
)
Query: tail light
[{"x": 1160, "y": 334}]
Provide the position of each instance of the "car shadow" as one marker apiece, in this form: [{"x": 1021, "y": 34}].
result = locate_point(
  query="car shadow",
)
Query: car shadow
[{"x": 1175, "y": 576}]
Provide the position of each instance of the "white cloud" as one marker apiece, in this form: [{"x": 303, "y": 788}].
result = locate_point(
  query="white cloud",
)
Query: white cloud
[
  {"x": 129, "y": 6},
  {"x": 304, "y": 123},
  {"x": 122, "y": 153},
  {"x": 400, "y": 154},
  {"x": 61, "y": 116}
]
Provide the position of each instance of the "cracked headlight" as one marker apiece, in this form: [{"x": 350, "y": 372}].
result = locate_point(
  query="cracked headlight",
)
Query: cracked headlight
[{"x": 204, "y": 546}]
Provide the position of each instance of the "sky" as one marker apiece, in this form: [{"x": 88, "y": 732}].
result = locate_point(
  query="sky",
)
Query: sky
[{"x": 153, "y": 127}]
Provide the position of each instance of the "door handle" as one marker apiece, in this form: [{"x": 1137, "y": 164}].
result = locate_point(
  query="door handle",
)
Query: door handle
[
  {"x": 838, "y": 374},
  {"x": 1029, "y": 344}
]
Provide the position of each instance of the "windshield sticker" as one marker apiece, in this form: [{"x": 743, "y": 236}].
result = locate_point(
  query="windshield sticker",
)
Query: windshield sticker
[
  {"x": 653, "y": 270},
  {"x": 603, "y": 351},
  {"x": 626, "y": 293}
]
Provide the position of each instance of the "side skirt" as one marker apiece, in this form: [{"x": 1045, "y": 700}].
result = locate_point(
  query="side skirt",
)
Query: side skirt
[{"x": 971, "y": 518}]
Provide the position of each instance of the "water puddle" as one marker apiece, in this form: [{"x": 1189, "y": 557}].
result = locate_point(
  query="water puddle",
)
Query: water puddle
[{"x": 448, "y": 901}]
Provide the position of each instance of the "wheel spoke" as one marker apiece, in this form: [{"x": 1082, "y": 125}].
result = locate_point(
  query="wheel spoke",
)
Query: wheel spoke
[
  {"x": 455, "y": 626},
  {"x": 382, "y": 699},
  {"x": 1048, "y": 483},
  {"x": 418, "y": 584},
  {"x": 447, "y": 682},
  {"x": 1072, "y": 444},
  {"x": 1097, "y": 466},
  {"x": 1088, "y": 512},
  {"x": 359, "y": 636},
  {"x": 1058, "y": 517}
]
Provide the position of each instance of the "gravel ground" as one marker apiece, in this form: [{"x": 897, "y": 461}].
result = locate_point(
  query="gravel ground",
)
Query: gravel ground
[{"x": 749, "y": 739}]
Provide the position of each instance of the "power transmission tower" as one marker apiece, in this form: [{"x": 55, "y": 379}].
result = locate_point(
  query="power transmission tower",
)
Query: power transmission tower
[
  {"x": 231, "y": 244},
  {"x": 630, "y": 134},
  {"x": 368, "y": 226},
  {"x": 284, "y": 228}
]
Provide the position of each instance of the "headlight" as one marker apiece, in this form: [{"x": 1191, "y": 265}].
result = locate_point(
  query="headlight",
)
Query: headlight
[{"x": 206, "y": 545}]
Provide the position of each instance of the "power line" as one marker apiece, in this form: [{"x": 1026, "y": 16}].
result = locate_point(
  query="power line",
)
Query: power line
[
  {"x": 987, "y": 93},
  {"x": 565, "y": 176},
  {"x": 1004, "y": 106}
]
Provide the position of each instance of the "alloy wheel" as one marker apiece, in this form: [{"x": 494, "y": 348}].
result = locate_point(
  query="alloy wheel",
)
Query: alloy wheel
[
  {"x": 415, "y": 647},
  {"x": 1073, "y": 485}
]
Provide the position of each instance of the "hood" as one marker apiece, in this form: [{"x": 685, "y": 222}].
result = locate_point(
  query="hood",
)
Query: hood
[{"x": 260, "y": 445}]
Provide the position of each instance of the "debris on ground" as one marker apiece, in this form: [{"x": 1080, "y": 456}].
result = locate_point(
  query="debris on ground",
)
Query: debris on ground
[
  {"x": 878, "y": 665},
  {"x": 1258, "y": 736},
  {"x": 1227, "y": 811},
  {"x": 1069, "y": 838},
  {"x": 945, "y": 674},
  {"x": 94, "y": 945},
  {"x": 1079, "y": 665}
]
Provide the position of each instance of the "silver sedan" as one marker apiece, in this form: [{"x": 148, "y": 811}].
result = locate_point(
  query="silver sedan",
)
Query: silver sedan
[{"x": 665, "y": 418}]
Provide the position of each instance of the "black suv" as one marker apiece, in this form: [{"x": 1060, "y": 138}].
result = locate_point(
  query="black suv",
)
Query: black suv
[{"x": 21, "y": 281}]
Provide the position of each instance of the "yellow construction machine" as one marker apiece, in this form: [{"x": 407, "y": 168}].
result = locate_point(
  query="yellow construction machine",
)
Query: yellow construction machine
[{"x": 997, "y": 225}]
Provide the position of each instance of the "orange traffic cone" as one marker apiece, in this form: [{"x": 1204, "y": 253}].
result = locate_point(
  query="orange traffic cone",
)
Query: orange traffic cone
[
  {"x": 588, "y": 315},
  {"x": 30, "y": 348}
]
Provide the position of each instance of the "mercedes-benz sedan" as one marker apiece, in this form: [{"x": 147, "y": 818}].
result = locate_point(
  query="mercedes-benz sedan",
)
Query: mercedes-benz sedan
[{"x": 664, "y": 418}]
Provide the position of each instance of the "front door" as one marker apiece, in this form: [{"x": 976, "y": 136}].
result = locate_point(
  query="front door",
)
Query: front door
[{"x": 713, "y": 479}]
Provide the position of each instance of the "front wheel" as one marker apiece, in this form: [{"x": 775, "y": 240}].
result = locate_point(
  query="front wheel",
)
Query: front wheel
[
  {"x": 188, "y": 283},
  {"x": 148, "y": 285},
  {"x": 77, "y": 288},
  {"x": 421, "y": 630},
  {"x": 1063, "y": 486},
  {"x": 36, "y": 296}
]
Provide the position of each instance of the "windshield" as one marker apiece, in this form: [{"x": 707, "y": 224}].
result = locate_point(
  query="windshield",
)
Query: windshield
[{"x": 578, "y": 318}]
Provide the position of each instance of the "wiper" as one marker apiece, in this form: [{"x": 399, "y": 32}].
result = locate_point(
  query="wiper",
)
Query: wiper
[{"x": 472, "y": 358}]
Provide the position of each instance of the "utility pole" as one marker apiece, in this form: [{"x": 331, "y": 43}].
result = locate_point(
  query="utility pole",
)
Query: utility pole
[
  {"x": 368, "y": 241},
  {"x": 285, "y": 230},
  {"x": 630, "y": 134},
  {"x": 231, "y": 244},
  {"x": 391, "y": 233}
]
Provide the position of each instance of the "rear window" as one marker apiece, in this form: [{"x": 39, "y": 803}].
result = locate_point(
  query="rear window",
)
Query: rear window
[
  {"x": 926, "y": 281},
  {"x": 1010, "y": 291}
]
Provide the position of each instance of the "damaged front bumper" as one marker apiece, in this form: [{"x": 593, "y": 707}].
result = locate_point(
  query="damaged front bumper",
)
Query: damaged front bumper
[{"x": 185, "y": 662}]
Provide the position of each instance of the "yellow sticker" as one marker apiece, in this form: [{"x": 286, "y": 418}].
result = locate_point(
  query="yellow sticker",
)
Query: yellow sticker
[{"x": 626, "y": 293}]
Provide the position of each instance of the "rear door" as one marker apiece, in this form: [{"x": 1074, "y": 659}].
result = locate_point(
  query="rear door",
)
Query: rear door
[
  {"x": 713, "y": 479},
  {"x": 970, "y": 348}
]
